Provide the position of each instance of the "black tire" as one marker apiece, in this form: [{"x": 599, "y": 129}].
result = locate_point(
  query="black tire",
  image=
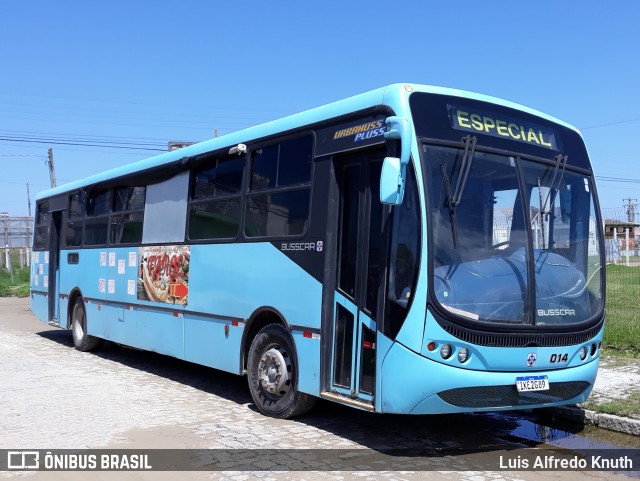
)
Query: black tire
[
  {"x": 81, "y": 340},
  {"x": 273, "y": 375}
]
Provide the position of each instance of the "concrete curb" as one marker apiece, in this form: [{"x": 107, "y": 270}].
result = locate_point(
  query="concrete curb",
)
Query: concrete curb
[{"x": 601, "y": 420}]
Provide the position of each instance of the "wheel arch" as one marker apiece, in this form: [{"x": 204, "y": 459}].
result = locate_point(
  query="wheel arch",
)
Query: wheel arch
[
  {"x": 261, "y": 317},
  {"x": 74, "y": 295}
]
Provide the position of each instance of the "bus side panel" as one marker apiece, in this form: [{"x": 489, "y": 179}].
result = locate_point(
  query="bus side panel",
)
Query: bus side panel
[
  {"x": 154, "y": 330},
  {"x": 308, "y": 349},
  {"x": 237, "y": 279},
  {"x": 39, "y": 301},
  {"x": 95, "y": 319},
  {"x": 115, "y": 327},
  {"x": 207, "y": 343},
  {"x": 64, "y": 309},
  {"x": 70, "y": 278},
  {"x": 40, "y": 306},
  {"x": 89, "y": 275}
]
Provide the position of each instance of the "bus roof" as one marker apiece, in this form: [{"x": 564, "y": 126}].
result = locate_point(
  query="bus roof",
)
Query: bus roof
[{"x": 395, "y": 96}]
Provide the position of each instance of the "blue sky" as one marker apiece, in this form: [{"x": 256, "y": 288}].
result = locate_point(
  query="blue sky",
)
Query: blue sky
[{"x": 141, "y": 73}]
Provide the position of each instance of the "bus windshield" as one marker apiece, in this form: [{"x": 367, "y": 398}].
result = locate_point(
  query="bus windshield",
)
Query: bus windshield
[{"x": 513, "y": 241}]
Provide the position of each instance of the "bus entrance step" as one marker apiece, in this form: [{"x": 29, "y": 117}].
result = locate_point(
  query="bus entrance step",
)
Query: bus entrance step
[{"x": 359, "y": 403}]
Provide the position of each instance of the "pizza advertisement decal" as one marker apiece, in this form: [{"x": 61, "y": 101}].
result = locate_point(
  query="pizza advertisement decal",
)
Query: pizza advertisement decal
[{"x": 163, "y": 274}]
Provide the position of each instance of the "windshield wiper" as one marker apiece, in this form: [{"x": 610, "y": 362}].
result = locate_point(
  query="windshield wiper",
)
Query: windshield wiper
[
  {"x": 453, "y": 198},
  {"x": 452, "y": 209},
  {"x": 561, "y": 161},
  {"x": 465, "y": 167}
]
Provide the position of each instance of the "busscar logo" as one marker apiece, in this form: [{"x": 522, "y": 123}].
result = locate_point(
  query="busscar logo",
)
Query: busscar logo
[
  {"x": 303, "y": 246},
  {"x": 23, "y": 460},
  {"x": 556, "y": 312}
]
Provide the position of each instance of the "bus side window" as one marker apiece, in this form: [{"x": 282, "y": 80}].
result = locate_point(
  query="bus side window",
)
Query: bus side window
[
  {"x": 165, "y": 210},
  {"x": 214, "y": 210},
  {"x": 278, "y": 200},
  {"x": 75, "y": 220},
  {"x": 41, "y": 234},
  {"x": 128, "y": 215},
  {"x": 96, "y": 224}
]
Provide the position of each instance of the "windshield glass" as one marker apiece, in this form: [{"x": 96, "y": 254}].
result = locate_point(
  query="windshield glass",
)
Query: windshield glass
[{"x": 510, "y": 222}]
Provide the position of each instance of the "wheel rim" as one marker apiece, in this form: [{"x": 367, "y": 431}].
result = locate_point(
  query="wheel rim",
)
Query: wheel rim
[{"x": 273, "y": 371}]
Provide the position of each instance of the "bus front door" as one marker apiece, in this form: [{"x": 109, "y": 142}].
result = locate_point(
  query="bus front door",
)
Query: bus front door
[{"x": 357, "y": 277}]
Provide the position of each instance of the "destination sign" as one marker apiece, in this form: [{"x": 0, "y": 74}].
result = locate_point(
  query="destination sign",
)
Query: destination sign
[{"x": 496, "y": 125}]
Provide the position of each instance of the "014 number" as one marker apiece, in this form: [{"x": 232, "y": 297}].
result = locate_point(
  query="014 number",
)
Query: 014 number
[{"x": 559, "y": 358}]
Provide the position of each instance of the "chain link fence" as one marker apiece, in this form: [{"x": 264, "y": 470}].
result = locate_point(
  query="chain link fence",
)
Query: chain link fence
[
  {"x": 622, "y": 251},
  {"x": 16, "y": 235}
]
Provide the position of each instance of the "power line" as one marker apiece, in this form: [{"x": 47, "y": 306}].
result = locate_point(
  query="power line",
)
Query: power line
[
  {"x": 107, "y": 145},
  {"x": 24, "y": 155},
  {"x": 610, "y": 124},
  {"x": 81, "y": 136},
  {"x": 617, "y": 179}
]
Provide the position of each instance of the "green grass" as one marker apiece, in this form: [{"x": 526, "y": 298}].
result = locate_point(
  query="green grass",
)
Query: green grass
[
  {"x": 18, "y": 287},
  {"x": 622, "y": 331},
  {"x": 620, "y": 407}
]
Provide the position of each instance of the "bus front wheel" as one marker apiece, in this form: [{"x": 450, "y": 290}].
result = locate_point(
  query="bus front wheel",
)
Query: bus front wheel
[
  {"x": 81, "y": 340},
  {"x": 272, "y": 375}
]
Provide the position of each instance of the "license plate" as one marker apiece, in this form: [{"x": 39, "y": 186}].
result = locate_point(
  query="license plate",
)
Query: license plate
[{"x": 532, "y": 383}]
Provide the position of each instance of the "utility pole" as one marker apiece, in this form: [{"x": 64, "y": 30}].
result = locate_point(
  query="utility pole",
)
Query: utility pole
[
  {"x": 29, "y": 227},
  {"x": 631, "y": 210},
  {"x": 7, "y": 254},
  {"x": 52, "y": 170},
  {"x": 28, "y": 199}
]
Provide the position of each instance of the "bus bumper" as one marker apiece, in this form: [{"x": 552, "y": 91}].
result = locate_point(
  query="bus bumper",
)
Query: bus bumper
[{"x": 413, "y": 384}]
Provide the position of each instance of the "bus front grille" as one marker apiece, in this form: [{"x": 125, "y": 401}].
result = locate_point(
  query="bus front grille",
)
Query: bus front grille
[
  {"x": 502, "y": 396},
  {"x": 522, "y": 339}
]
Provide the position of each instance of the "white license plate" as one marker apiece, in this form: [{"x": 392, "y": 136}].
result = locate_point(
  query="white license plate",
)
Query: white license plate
[{"x": 532, "y": 383}]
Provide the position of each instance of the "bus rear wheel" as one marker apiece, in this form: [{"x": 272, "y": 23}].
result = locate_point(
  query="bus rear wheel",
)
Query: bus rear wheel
[
  {"x": 81, "y": 340},
  {"x": 272, "y": 375}
]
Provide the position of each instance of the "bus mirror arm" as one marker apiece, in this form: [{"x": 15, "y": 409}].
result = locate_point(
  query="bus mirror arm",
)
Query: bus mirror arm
[{"x": 394, "y": 169}]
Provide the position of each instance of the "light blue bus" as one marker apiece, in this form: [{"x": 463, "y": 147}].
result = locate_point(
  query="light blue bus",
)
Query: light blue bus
[{"x": 412, "y": 249}]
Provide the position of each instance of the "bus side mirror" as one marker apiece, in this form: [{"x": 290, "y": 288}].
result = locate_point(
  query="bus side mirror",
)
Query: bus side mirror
[
  {"x": 394, "y": 169},
  {"x": 392, "y": 180}
]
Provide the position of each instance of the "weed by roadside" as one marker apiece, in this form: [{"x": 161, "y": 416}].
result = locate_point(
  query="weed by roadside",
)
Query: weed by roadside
[
  {"x": 19, "y": 286},
  {"x": 629, "y": 407}
]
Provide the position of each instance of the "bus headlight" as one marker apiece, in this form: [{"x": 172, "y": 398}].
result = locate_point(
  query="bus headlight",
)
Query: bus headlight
[
  {"x": 445, "y": 351},
  {"x": 583, "y": 353},
  {"x": 463, "y": 355}
]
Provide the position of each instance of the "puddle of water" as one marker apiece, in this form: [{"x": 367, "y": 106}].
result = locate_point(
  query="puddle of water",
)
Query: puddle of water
[
  {"x": 541, "y": 430},
  {"x": 587, "y": 441},
  {"x": 566, "y": 434}
]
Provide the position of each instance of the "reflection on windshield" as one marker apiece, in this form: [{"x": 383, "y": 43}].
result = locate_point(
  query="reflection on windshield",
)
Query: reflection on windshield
[{"x": 513, "y": 214}]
